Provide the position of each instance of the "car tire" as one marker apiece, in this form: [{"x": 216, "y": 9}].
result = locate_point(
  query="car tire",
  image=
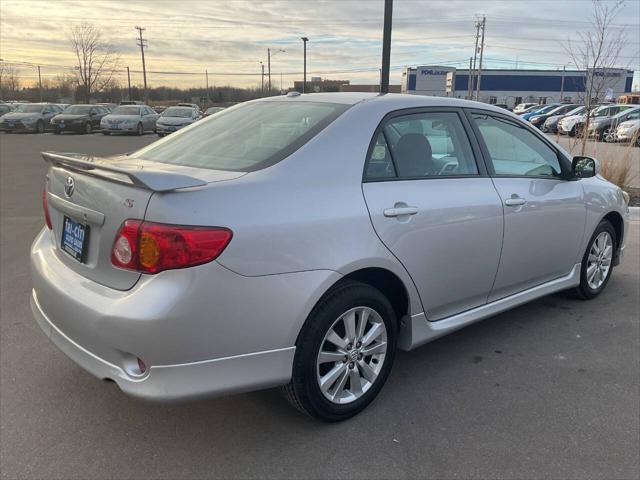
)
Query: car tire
[
  {"x": 347, "y": 363},
  {"x": 40, "y": 126},
  {"x": 140, "y": 130},
  {"x": 88, "y": 128},
  {"x": 572, "y": 132},
  {"x": 596, "y": 259}
]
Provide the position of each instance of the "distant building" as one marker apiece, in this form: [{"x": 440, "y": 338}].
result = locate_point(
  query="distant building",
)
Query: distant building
[
  {"x": 317, "y": 84},
  {"x": 374, "y": 88},
  {"x": 512, "y": 86}
]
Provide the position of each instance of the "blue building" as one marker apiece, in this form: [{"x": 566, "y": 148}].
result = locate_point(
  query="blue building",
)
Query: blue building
[{"x": 513, "y": 86}]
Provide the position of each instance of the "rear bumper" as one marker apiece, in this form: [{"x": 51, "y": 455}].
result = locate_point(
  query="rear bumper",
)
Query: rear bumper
[
  {"x": 170, "y": 383},
  {"x": 202, "y": 331}
]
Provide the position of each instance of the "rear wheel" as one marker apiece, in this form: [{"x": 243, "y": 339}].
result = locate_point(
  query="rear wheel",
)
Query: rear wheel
[
  {"x": 88, "y": 129},
  {"x": 139, "y": 130},
  {"x": 597, "y": 262},
  {"x": 344, "y": 353},
  {"x": 40, "y": 126}
]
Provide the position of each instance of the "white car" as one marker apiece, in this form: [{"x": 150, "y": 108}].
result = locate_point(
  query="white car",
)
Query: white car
[
  {"x": 628, "y": 131},
  {"x": 175, "y": 118},
  {"x": 521, "y": 107}
]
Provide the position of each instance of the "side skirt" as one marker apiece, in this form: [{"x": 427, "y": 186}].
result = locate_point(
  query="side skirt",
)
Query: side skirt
[{"x": 417, "y": 330}]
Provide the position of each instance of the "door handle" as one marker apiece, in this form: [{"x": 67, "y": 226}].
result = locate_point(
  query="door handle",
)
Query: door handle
[
  {"x": 514, "y": 202},
  {"x": 400, "y": 211}
]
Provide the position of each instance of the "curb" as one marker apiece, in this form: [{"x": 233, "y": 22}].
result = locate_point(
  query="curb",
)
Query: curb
[{"x": 634, "y": 214}]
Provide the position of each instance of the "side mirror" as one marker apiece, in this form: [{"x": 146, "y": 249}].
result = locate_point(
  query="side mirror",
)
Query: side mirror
[{"x": 585, "y": 167}]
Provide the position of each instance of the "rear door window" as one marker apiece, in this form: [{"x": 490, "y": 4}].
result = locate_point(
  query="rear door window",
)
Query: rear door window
[{"x": 428, "y": 144}]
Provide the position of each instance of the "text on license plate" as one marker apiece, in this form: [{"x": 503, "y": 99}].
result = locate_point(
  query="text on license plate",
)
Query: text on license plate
[{"x": 74, "y": 239}]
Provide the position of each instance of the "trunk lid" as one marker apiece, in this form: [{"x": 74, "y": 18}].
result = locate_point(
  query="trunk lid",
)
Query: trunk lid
[{"x": 105, "y": 193}]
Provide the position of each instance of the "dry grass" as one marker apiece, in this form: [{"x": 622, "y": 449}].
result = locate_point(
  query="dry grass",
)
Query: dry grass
[{"x": 615, "y": 167}]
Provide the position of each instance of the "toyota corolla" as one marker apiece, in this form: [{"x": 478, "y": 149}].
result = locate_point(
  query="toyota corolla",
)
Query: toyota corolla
[{"x": 298, "y": 241}]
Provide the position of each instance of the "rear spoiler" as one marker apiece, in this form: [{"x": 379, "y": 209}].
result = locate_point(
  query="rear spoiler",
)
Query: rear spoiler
[{"x": 137, "y": 176}]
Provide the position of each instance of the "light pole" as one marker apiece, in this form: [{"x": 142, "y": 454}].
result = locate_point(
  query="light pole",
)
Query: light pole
[
  {"x": 304, "y": 78},
  {"x": 269, "y": 65},
  {"x": 386, "y": 46}
]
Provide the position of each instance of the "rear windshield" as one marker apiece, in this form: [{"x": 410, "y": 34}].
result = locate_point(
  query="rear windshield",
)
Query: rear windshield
[
  {"x": 125, "y": 110},
  {"x": 245, "y": 138},
  {"x": 182, "y": 112},
  {"x": 78, "y": 109}
]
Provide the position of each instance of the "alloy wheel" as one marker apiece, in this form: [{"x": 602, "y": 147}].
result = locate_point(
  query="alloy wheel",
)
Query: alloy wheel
[
  {"x": 351, "y": 355},
  {"x": 599, "y": 260}
]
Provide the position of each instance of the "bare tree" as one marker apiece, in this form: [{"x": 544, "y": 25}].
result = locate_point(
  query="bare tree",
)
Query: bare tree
[
  {"x": 96, "y": 60},
  {"x": 597, "y": 52},
  {"x": 9, "y": 80}
]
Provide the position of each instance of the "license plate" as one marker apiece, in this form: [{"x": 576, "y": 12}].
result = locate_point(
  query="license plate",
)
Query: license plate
[
  {"x": 115, "y": 127},
  {"x": 62, "y": 124},
  {"x": 74, "y": 239},
  {"x": 173, "y": 129}
]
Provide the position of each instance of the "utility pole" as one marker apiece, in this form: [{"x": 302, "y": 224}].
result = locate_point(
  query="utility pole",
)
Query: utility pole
[
  {"x": 304, "y": 78},
  {"x": 475, "y": 55},
  {"x": 386, "y": 46},
  {"x": 562, "y": 84},
  {"x": 129, "y": 82},
  {"x": 469, "y": 80},
  {"x": 484, "y": 23},
  {"x": 40, "y": 82},
  {"x": 142, "y": 44}
]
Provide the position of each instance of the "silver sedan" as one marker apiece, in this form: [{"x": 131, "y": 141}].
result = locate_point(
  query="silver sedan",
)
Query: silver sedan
[{"x": 299, "y": 241}]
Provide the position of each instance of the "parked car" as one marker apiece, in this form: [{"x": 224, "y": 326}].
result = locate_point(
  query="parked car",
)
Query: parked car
[
  {"x": 175, "y": 118},
  {"x": 212, "y": 110},
  {"x": 572, "y": 124},
  {"x": 551, "y": 123},
  {"x": 5, "y": 108},
  {"x": 629, "y": 131},
  {"x": 524, "y": 107},
  {"x": 79, "y": 119},
  {"x": 29, "y": 117},
  {"x": 604, "y": 127},
  {"x": 539, "y": 111},
  {"x": 131, "y": 102},
  {"x": 538, "y": 119},
  {"x": 129, "y": 119},
  {"x": 186, "y": 270}
]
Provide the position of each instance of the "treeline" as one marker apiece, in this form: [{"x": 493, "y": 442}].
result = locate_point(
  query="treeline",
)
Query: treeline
[{"x": 66, "y": 90}]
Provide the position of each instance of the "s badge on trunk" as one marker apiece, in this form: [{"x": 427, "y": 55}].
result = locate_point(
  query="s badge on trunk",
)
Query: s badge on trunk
[{"x": 69, "y": 186}]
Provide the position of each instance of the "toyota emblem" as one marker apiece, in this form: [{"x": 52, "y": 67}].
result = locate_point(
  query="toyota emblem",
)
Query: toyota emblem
[{"x": 69, "y": 186}]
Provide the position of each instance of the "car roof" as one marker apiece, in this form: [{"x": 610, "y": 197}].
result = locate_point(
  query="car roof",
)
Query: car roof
[{"x": 393, "y": 101}]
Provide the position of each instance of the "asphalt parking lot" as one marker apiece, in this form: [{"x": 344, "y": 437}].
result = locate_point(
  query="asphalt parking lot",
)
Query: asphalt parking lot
[{"x": 548, "y": 390}]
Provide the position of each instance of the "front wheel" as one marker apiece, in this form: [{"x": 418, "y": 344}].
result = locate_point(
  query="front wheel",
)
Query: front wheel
[
  {"x": 139, "y": 130},
  {"x": 40, "y": 126},
  {"x": 88, "y": 129},
  {"x": 597, "y": 262},
  {"x": 344, "y": 353}
]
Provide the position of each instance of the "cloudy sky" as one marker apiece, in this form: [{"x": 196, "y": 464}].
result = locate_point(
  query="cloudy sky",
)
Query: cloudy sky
[{"x": 230, "y": 38}]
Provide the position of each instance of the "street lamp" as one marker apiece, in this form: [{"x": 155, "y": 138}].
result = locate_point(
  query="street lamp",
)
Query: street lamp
[
  {"x": 269, "y": 63},
  {"x": 304, "y": 78}
]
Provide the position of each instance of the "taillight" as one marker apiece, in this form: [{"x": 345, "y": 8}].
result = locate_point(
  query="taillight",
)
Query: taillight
[
  {"x": 153, "y": 247},
  {"x": 47, "y": 218}
]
